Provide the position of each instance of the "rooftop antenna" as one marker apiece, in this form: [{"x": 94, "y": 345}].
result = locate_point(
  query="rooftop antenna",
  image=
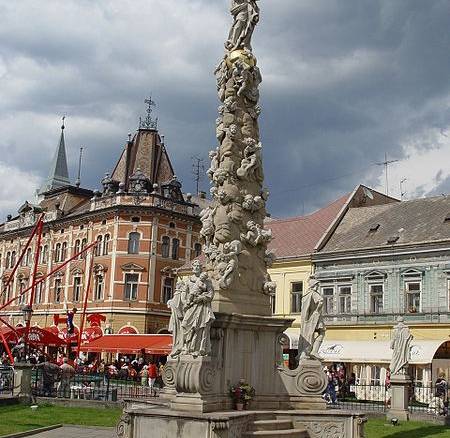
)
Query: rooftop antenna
[
  {"x": 78, "y": 181},
  {"x": 386, "y": 163},
  {"x": 198, "y": 170},
  {"x": 402, "y": 193}
]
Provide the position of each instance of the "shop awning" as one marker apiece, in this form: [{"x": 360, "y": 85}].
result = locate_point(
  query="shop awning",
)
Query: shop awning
[
  {"x": 131, "y": 344},
  {"x": 422, "y": 352},
  {"x": 36, "y": 336}
]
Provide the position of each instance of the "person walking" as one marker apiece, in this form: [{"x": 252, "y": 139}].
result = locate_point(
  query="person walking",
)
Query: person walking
[
  {"x": 152, "y": 375},
  {"x": 66, "y": 372},
  {"x": 144, "y": 376}
]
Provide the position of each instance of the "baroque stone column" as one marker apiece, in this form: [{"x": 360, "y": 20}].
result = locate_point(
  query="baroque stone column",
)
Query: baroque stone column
[{"x": 233, "y": 227}]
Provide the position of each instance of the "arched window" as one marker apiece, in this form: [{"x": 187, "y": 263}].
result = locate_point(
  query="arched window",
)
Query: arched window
[
  {"x": 57, "y": 256},
  {"x": 133, "y": 243},
  {"x": 38, "y": 292},
  {"x": 76, "y": 247},
  {"x": 77, "y": 287},
  {"x": 165, "y": 246},
  {"x": 13, "y": 259},
  {"x": 98, "y": 248},
  {"x": 106, "y": 244},
  {"x": 167, "y": 290},
  {"x": 83, "y": 245},
  {"x": 22, "y": 296},
  {"x": 28, "y": 257},
  {"x": 197, "y": 249},
  {"x": 8, "y": 260},
  {"x": 98, "y": 287},
  {"x": 44, "y": 254},
  {"x": 58, "y": 289},
  {"x": 175, "y": 249},
  {"x": 63, "y": 251}
]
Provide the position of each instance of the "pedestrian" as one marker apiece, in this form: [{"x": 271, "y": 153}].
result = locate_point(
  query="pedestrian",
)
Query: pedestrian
[
  {"x": 66, "y": 373},
  {"x": 144, "y": 375},
  {"x": 152, "y": 375},
  {"x": 50, "y": 372}
]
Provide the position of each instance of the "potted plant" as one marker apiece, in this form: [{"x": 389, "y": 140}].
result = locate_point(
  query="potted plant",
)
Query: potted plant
[{"x": 241, "y": 394}]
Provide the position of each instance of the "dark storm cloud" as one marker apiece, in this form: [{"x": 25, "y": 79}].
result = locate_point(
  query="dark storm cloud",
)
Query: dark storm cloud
[{"x": 344, "y": 82}]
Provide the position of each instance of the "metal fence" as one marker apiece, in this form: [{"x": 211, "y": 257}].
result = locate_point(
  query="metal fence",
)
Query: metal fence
[
  {"x": 431, "y": 400},
  {"x": 6, "y": 380},
  {"x": 92, "y": 386}
]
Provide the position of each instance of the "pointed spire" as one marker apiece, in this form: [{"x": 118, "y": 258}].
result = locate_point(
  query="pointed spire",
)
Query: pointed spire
[
  {"x": 58, "y": 175},
  {"x": 149, "y": 122}
]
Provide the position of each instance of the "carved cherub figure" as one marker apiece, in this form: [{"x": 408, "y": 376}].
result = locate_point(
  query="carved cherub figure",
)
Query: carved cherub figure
[
  {"x": 214, "y": 157},
  {"x": 252, "y": 203},
  {"x": 252, "y": 162},
  {"x": 228, "y": 263},
  {"x": 256, "y": 235},
  {"x": 207, "y": 219}
]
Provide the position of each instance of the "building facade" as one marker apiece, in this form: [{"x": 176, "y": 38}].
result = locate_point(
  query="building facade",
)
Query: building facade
[
  {"x": 145, "y": 229},
  {"x": 379, "y": 263}
]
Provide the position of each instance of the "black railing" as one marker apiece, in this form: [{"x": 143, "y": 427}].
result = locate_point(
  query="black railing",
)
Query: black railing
[
  {"x": 431, "y": 399},
  {"x": 92, "y": 386},
  {"x": 6, "y": 380}
]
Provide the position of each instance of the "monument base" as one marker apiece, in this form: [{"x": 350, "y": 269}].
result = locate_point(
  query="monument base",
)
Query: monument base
[
  {"x": 400, "y": 385},
  {"x": 243, "y": 347},
  {"x": 137, "y": 421},
  {"x": 22, "y": 381}
]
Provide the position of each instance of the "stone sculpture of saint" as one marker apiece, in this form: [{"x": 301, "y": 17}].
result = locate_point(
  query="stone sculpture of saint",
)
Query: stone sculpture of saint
[
  {"x": 198, "y": 314},
  {"x": 312, "y": 330},
  {"x": 400, "y": 346},
  {"x": 176, "y": 306},
  {"x": 246, "y": 17}
]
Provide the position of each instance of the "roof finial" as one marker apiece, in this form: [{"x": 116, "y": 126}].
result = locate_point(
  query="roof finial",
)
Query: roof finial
[
  {"x": 63, "y": 122},
  {"x": 78, "y": 181},
  {"x": 149, "y": 122}
]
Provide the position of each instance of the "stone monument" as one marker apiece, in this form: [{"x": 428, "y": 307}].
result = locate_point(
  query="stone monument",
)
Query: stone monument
[
  {"x": 400, "y": 381},
  {"x": 221, "y": 320}
]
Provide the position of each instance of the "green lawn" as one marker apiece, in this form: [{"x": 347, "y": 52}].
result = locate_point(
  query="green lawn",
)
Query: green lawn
[
  {"x": 377, "y": 428},
  {"x": 18, "y": 418}
]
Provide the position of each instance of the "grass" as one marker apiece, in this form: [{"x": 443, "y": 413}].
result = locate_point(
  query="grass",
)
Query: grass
[
  {"x": 378, "y": 428},
  {"x": 19, "y": 418}
]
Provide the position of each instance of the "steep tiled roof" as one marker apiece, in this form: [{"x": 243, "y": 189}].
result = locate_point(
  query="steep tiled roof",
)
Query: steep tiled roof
[
  {"x": 408, "y": 222},
  {"x": 298, "y": 236}
]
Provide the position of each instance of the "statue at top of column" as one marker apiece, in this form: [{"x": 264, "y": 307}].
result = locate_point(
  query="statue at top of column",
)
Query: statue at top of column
[
  {"x": 400, "y": 346},
  {"x": 312, "y": 330},
  {"x": 246, "y": 17}
]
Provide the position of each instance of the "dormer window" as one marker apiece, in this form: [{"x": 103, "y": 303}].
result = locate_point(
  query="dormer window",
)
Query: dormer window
[
  {"x": 447, "y": 218},
  {"x": 374, "y": 228}
]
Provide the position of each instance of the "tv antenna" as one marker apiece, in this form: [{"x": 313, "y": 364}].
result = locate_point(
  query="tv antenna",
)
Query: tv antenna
[
  {"x": 402, "y": 193},
  {"x": 386, "y": 163},
  {"x": 198, "y": 170}
]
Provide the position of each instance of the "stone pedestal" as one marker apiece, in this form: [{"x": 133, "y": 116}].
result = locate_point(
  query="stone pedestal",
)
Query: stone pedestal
[
  {"x": 22, "y": 381},
  {"x": 305, "y": 385},
  {"x": 400, "y": 386},
  {"x": 243, "y": 347}
]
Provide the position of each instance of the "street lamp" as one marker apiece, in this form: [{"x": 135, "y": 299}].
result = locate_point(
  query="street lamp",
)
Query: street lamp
[{"x": 27, "y": 313}]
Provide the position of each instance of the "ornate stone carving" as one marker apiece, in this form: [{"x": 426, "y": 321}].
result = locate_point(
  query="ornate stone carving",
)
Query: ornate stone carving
[
  {"x": 176, "y": 305},
  {"x": 195, "y": 376},
  {"x": 197, "y": 313},
  {"x": 169, "y": 374},
  {"x": 123, "y": 428},
  {"x": 236, "y": 170},
  {"x": 318, "y": 429},
  {"x": 312, "y": 330},
  {"x": 401, "y": 348}
]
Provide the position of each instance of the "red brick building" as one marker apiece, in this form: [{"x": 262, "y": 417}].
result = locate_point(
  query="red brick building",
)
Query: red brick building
[{"x": 145, "y": 226}]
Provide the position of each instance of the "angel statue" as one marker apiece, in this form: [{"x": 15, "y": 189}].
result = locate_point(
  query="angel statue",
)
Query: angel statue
[
  {"x": 400, "y": 346},
  {"x": 246, "y": 17}
]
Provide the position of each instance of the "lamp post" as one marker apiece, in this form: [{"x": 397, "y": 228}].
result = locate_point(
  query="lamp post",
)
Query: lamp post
[{"x": 27, "y": 313}]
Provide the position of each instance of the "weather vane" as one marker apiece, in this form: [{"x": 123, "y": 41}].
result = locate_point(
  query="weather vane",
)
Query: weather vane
[{"x": 149, "y": 122}]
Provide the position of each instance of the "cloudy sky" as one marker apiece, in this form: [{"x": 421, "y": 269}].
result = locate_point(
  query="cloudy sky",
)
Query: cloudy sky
[{"x": 344, "y": 83}]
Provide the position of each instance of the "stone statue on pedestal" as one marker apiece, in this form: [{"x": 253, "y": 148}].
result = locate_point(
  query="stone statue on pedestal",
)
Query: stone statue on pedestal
[
  {"x": 246, "y": 17},
  {"x": 176, "y": 305},
  {"x": 198, "y": 315},
  {"x": 312, "y": 330},
  {"x": 400, "y": 346}
]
